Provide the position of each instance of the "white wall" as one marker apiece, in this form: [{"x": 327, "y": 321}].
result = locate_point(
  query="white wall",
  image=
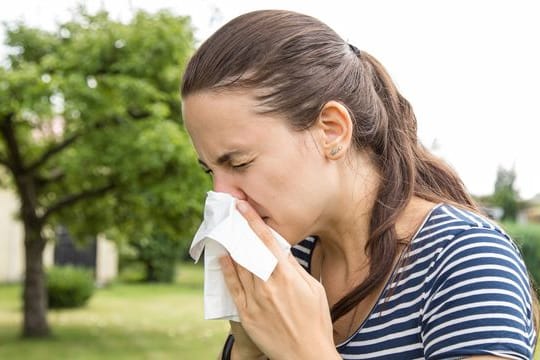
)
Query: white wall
[
  {"x": 106, "y": 261},
  {"x": 12, "y": 247},
  {"x": 11, "y": 239}
]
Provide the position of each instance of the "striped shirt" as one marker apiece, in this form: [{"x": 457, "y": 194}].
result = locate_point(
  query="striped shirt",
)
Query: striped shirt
[{"x": 460, "y": 289}]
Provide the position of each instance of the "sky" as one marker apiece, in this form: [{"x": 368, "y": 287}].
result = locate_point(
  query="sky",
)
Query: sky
[{"x": 471, "y": 69}]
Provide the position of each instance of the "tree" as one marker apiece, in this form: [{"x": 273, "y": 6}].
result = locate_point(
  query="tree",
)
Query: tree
[
  {"x": 91, "y": 136},
  {"x": 505, "y": 195}
]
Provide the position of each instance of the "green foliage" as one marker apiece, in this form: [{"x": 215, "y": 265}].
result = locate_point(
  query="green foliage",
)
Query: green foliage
[
  {"x": 505, "y": 194},
  {"x": 91, "y": 134},
  {"x": 528, "y": 238},
  {"x": 159, "y": 255},
  {"x": 96, "y": 113},
  {"x": 69, "y": 287}
]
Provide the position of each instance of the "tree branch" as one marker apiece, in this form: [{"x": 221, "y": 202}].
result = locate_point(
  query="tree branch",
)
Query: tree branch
[
  {"x": 55, "y": 175},
  {"x": 53, "y": 150},
  {"x": 74, "y": 198},
  {"x": 71, "y": 139},
  {"x": 14, "y": 160}
]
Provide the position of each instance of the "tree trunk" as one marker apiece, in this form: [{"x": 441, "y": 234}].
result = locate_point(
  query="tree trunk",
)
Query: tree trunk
[
  {"x": 35, "y": 293},
  {"x": 150, "y": 273}
]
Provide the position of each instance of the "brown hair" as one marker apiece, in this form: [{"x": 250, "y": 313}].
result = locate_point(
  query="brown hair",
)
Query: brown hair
[{"x": 298, "y": 64}]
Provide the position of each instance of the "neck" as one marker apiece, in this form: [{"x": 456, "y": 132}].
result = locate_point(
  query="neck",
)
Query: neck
[
  {"x": 344, "y": 235},
  {"x": 344, "y": 231}
]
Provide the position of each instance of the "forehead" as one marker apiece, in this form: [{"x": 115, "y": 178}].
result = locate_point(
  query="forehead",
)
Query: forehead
[
  {"x": 227, "y": 121},
  {"x": 217, "y": 109}
]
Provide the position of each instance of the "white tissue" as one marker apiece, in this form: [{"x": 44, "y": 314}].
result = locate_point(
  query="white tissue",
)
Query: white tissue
[{"x": 224, "y": 230}]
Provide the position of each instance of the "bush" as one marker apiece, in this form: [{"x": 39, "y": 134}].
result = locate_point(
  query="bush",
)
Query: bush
[
  {"x": 159, "y": 255},
  {"x": 527, "y": 236},
  {"x": 69, "y": 287}
]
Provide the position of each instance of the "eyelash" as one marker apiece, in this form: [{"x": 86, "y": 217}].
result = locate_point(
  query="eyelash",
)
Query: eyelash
[
  {"x": 234, "y": 167},
  {"x": 241, "y": 166}
]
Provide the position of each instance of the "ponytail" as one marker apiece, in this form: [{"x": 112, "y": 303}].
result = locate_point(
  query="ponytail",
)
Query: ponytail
[{"x": 407, "y": 170}]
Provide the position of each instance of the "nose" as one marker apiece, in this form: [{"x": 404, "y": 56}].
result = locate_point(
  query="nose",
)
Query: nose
[{"x": 225, "y": 184}]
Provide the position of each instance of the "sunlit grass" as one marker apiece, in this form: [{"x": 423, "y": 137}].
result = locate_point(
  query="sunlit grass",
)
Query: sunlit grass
[{"x": 123, "y": 321}]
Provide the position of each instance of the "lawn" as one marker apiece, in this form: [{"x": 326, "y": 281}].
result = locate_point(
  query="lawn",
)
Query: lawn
[{"x": 122, "y": 321}]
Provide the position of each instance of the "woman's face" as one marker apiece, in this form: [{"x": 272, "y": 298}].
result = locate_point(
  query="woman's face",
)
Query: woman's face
[{"x": 260, "y": 159}]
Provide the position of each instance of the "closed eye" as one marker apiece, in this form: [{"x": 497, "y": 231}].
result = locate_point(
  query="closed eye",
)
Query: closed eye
[{"x": 242, "y": 166}]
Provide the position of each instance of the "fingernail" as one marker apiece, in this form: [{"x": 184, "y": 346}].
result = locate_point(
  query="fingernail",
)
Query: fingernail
[{"x": 241, "y": 206}]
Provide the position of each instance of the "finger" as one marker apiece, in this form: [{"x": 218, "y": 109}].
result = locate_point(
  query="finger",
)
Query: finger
[
  {"x": 246, "y": 278},
  {"x": 259, "y": 227},
  {"x": 296, "y": 265},
  {"x": 233, "y": 281}
]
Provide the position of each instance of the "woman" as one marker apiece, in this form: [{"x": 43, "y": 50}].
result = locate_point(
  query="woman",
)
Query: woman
[{"x": 315, "y": 141}]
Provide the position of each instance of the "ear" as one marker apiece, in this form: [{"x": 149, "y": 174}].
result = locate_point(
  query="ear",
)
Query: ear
[{"x": 334, "y": 127}]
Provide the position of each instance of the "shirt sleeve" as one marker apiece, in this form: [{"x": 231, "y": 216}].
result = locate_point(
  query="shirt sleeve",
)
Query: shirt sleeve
[{"x": 478, "y": 299}]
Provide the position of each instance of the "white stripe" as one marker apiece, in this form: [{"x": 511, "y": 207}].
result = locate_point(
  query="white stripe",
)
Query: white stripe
[
  {"x": 395, "y": 308},
  {"x": 480, "y": 342},
  {"x": 505, "y": 269},
  {"x": 401, "y": 293},
  {"x": 440, "y": 224},
  {"x": 514, "y": 260},
  {"x": 427, "y": 305},
  {"x": 457, "y": 242},
  {"x": 472, "y": 331},
  {"x": 394, "y": 321},
  {"x": 411, "y": 276},
  {"x": 392, "y": 336},
  {"x": 472, "y": 318},
  {"x": 438, "y": 216},
  {"x": 469, "y": 217},
  {"x": 302, "y": 262},
  {"x": 385, "y": 352},
  {"x": 483, "y": 291},
  {"x": 302, "y": 248},
  {"x": 445, "y": 229},
  {"x": 468, "y": 306},
  {"x": 429, "y": 244}
]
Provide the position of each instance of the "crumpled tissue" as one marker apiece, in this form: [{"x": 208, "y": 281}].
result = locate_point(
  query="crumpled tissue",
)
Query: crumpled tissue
[{"x": 223, "y": 230}]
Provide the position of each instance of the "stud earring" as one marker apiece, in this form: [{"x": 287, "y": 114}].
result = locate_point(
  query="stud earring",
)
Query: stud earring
[{"x": 335, "y": 150}]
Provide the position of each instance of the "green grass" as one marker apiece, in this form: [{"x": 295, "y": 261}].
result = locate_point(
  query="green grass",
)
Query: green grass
[{"x": 122, "y": 321}]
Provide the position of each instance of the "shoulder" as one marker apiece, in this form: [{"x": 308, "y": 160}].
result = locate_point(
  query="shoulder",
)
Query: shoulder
[
  {"x": 450, "y": 230},
  {"x": 456, "y": 243},
  {"x": 477, "y": 295}
]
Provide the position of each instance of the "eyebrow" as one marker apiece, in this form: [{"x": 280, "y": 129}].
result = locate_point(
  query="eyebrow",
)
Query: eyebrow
[{"x": 223, "y": 158}]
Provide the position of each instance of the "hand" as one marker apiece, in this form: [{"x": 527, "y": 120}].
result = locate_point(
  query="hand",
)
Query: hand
[
  {"x": 287, "y": 317},
  {"x": 243, "y": 347}
]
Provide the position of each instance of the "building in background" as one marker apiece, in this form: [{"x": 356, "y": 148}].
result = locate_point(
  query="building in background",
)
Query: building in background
[
  {"x": 100, "y": 255},
  {"x": 531, "y": 212}
]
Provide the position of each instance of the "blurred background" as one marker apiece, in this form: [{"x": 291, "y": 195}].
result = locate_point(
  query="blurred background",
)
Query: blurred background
[{"x": 100, "y": 190}]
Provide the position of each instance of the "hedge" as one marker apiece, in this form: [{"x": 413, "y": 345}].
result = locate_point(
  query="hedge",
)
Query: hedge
[
  {"x": 527, "y": 236},
  {"x": 69, "y": 287}
]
